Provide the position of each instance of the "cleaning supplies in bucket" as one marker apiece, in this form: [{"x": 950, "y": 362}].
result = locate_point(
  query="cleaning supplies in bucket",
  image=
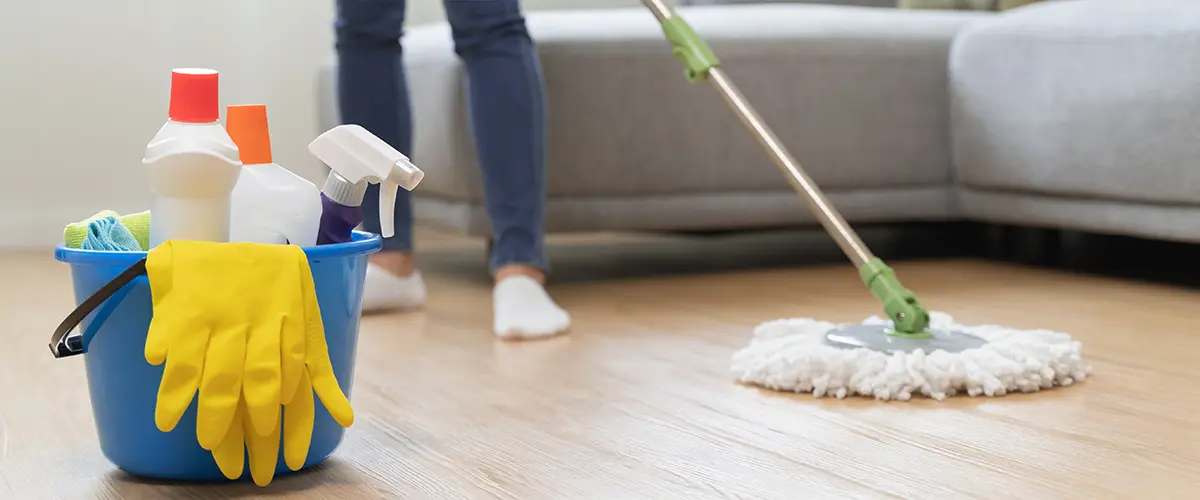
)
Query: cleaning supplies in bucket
[
  {"x": 202, "y": 352},
  {"x": 269, "y": 204},
  {"x": 356, "y": 157},
  {"x": 192, "y": 162},
  {"x": 115, "y": 314}
]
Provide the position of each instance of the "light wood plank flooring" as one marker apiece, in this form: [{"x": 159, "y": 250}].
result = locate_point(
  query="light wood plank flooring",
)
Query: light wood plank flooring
[{"x": 636, "y": 402}]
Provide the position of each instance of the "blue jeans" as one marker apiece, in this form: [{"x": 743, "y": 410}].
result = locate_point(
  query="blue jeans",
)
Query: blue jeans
[{"x": 505, "y": 96}]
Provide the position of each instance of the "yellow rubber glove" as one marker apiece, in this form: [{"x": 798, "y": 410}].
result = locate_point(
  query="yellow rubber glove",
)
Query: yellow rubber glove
[
  {"x": 298, "y": 418},
  {"x": 306, "y": 358},
  {"x": 242, "y": 440},
  {"x": 221, "y": 312}
]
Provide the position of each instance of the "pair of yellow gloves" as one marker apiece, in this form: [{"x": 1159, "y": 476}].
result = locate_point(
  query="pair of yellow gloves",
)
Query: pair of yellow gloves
[{"x": 239, "y": 323}]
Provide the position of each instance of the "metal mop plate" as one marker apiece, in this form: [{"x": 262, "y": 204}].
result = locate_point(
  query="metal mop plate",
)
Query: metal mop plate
[{"x": 876, "y": 337}]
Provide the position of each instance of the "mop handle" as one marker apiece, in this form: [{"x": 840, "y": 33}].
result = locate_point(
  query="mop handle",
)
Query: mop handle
[
  {"x": 828, "y": 216},
  {"x": 909, "y": 317}
]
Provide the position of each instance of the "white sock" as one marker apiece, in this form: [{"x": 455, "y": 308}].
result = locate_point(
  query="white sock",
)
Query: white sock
[
  {"x": 523, "y": 310},
  {"x": 384, "y": 291}
]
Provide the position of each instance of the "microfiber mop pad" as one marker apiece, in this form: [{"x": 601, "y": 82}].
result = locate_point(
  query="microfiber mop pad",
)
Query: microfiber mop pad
[
  {"x": 791, "y": 355},
  {"x": 138, "y": 225}
]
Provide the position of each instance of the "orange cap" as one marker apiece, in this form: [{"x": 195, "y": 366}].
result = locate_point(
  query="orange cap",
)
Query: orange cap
[
  {"x": 194, "y": 96},
  {"x": 247, "y": 126}
]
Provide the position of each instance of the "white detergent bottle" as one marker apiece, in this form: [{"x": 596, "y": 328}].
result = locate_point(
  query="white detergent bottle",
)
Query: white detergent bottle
[
  {"x": 270, "y": 204},
  {"x": 193, "y": 164},
  {"x": 356, "y": 155}
]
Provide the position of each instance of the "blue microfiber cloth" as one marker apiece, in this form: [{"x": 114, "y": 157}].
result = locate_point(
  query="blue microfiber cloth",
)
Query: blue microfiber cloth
[{"x": 107, "y": 233}]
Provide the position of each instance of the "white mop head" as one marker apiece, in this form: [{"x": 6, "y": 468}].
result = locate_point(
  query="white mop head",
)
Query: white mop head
[{"x": 791, "y": 355}]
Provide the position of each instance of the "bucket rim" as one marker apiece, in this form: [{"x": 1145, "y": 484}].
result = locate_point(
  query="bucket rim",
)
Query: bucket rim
[{"x": 362, "y": 243}]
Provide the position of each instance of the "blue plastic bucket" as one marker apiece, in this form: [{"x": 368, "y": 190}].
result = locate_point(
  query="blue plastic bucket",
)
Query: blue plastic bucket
[{"x": 124, "y": 387}]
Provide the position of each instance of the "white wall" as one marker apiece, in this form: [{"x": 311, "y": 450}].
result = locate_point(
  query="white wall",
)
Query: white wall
[{"x": 84, "y": 86}]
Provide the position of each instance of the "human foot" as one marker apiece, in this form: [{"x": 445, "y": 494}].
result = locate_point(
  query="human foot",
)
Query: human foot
[
  {"x": 392, "y": 283},
  {"x": 524, "y": 311}
]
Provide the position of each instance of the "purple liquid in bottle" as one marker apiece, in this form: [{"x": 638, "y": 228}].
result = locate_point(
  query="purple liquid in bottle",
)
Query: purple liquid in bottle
[
  {"x": 341, "y": 209},
  {"x": 337, "y": 221}
]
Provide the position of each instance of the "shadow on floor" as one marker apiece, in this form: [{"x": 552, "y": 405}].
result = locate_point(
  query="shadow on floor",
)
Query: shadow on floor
[
  {"x": 1138, "y": 259},
  {"x": 324, "y": 475},
  {"x": 647, "y": 256}
]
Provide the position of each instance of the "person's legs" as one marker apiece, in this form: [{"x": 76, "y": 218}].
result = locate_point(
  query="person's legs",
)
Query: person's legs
[
  {"x": 373, "y": 93},
  {"x": 507, "y": 118},
  {"x": 508, "y": 123}
]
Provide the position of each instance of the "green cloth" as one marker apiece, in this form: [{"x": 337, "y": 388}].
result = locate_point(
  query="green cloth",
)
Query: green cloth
[{"x": 138, "y": 225}]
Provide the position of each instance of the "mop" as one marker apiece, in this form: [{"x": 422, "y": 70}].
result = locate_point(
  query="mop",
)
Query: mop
[{"x": 907, "y": 352}]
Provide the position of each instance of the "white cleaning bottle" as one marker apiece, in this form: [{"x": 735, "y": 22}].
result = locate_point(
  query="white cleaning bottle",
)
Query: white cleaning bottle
[
  {"x": 356, "y": 156},
  {"x": 193, "y": 164},
  {"x": 270, "y": 204}
]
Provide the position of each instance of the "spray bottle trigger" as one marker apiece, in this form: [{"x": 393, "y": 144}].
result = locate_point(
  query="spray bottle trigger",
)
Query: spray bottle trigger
[{"x": 387, "y": 208}]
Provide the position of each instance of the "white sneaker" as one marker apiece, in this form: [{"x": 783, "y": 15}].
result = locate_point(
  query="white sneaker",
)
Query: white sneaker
[{"x": 384, "y": 291}]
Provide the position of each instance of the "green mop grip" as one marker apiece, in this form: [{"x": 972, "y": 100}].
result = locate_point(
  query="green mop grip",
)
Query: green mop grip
[
  {"x": 690, "y": 49},
  {"x": 909, "y": 317}
]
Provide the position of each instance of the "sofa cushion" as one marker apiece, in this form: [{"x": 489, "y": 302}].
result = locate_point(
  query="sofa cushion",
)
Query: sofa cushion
[{"x": 1085, "y": 98}]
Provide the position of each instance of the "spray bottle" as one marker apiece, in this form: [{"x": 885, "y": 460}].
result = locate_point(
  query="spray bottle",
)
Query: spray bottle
[
  {"x": 270, "y": 204},
  {"x": 193, "y": 164},
  {"x": 356, "y": 157}
]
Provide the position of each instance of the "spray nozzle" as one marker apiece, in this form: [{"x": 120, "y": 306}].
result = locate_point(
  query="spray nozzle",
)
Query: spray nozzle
[{"x": 358, "y": 155}]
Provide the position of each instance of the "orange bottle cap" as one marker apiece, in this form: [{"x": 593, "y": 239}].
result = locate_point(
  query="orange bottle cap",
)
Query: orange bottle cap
[{"x": 247, "y": 126}]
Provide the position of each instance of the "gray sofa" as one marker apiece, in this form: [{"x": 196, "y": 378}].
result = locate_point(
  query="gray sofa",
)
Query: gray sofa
[{"x": 1076, "y": 114}]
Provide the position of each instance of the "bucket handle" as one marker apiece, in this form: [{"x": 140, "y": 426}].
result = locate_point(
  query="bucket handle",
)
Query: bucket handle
[{"x": 61, "y": 343}]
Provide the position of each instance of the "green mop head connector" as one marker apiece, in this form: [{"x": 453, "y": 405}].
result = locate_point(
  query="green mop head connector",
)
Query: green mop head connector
[
  {"x": 909, "y": 317},
  {"x": 690, "y": 49},
  {"x": 909, "y": 329}
]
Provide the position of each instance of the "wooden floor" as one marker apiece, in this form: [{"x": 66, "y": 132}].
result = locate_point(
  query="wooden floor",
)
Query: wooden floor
[{"x": 636, "y": 402}]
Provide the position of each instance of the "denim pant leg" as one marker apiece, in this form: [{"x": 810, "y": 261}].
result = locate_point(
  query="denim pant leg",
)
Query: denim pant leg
[
  {"x": 506, "y": 99},
  {"x": 373, "y": 93}
]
